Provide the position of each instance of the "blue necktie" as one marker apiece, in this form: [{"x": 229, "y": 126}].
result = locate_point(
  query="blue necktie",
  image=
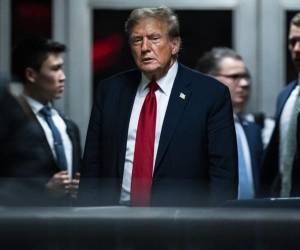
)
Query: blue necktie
[
  {"x": 245, "y": 187},
  {"x": 58, "y": 144}
]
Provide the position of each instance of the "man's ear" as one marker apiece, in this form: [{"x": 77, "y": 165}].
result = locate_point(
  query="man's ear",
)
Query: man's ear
[
  {"x": 176, "y": 43},
  {"x": 30, "y": 75}
]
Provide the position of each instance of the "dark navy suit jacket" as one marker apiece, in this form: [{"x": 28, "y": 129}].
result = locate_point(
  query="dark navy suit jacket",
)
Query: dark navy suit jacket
[
  {"x": 254, "y": 139},
  {"x": 197, "y": 157},
  {"x": 270, "y": 176},
  {"x": 27, "y": 162}
]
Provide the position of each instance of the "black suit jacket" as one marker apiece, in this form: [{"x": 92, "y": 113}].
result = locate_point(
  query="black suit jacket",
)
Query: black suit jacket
[
  {"x": 196, "y": 159},
  {"x": 27, "y": 162},
  {"x": 270, "y": 175}
]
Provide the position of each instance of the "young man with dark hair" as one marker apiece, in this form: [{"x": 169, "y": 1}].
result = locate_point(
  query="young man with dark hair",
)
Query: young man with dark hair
[{"x": 38, "y": 64}]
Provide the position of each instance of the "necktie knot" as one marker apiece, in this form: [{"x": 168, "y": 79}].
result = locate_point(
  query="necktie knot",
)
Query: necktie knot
[
  {"x": 46, "y": 111},
  {"x": 153, "y": 86}
]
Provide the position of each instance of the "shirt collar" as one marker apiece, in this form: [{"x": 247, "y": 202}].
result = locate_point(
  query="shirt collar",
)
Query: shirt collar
[
  {"x": 165, "y": 83},
  {"x": 35, "y": 105}
]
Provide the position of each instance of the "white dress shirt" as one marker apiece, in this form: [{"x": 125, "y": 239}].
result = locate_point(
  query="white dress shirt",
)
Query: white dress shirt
[
  {"x": 61, "y": 126},
  {"x": 162, "y": 97}
]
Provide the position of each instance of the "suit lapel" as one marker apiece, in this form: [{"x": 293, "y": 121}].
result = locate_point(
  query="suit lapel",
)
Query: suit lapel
[
  {"x": 45, "y": 144},
  {"x": 31, "y": 116},
  {"x": 284, "y": 98},
  {"x": 126, "y": 100},
  {"x": 178, "y": 100}
]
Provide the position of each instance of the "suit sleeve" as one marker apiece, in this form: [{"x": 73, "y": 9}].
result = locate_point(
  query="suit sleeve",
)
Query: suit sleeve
[
  {"x": 222, "y": 149},
  {"x": 77, "y": 154},
  {"x": 269, "y": 175},
  {"x": 91, "y": 156}
]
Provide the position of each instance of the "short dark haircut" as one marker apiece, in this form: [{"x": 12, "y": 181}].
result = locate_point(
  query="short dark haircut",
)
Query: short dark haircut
[
  {"x": 296, "y": 20},
  {"x": 209, "y": 63},
  {"x": 31, "y": 53},
  {"x": 162, "y": 13}
]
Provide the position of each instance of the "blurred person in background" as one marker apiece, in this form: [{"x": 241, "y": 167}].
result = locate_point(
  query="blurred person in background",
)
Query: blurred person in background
[
  {"x": 19, "y": 151},
  {"x": 39, "y": 132},
  {"x": 281, "y": 170},
  {"x": 158, "y": 132},
  {"x": 227, "y": 66}
]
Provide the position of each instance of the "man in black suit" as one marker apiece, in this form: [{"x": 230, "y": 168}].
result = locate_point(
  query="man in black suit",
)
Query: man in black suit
[
  {"x": 157, "y": 134},
  {"x": 41, "y": 153},
  {"x": 280, "y": 169},
  {"x": 228, "y": 66}
]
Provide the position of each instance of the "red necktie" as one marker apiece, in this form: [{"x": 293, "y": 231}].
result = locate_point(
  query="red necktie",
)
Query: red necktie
[{"x": 141, "y": 180}]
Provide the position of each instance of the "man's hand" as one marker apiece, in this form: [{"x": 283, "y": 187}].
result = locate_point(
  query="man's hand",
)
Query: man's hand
[
  {"x": 74, "y": 185},
  {"x": 60, "y": 184}
]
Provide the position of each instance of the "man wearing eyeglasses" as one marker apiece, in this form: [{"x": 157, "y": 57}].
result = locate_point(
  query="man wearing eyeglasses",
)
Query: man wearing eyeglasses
[
  {"x": 281, "y": 167},
  {"x": 228, "y": 67}
]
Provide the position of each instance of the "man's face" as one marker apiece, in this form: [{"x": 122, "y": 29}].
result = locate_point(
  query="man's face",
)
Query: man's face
[
  {"x": 47, "y": 84},
  {"x": 152, "y": 49},
  {"x": 294, "y": 45},
  {"x": 234, "y": 75}
]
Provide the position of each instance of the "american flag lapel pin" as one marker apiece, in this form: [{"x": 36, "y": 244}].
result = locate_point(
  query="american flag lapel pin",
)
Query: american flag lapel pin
[{"x": 182, "y": 96}]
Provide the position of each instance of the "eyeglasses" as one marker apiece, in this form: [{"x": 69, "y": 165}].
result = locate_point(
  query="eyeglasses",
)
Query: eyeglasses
[
  {"x": 236, "y": 77},
  {"x": 293, "y": 42}
]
